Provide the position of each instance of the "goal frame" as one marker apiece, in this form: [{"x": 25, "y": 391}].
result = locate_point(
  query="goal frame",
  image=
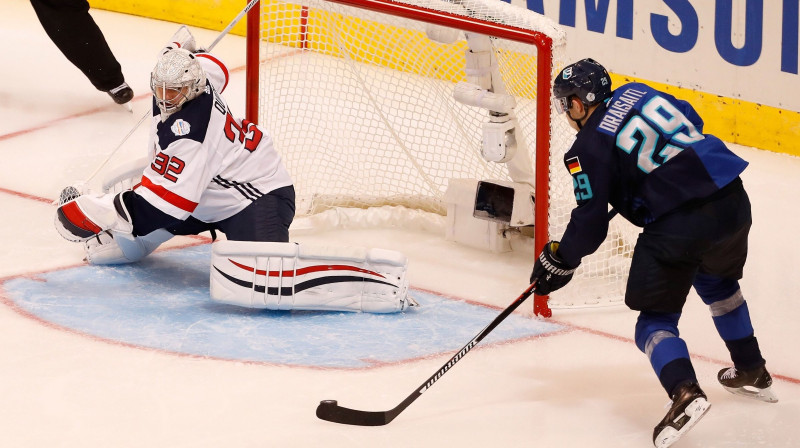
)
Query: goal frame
[{"x": 545, "y": 67}]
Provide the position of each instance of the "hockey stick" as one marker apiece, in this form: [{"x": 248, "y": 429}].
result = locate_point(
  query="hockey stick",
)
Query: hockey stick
[
  {"x": 331, "y": 411},
  {"x": 233, "y": 23},
  {"x": 222, "y": 34}
]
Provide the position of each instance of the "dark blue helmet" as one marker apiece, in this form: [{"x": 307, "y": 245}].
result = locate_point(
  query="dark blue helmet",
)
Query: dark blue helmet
[{"x": 586, "y": 79}]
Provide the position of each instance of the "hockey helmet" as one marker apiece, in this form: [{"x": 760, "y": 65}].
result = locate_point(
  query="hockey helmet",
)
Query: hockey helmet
[
  {"x": 176, "y": 79},
  {"x": 586, "y": 79}
]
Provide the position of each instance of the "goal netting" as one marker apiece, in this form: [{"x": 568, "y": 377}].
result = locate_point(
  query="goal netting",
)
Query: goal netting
[{"x": 358, "y": 96}]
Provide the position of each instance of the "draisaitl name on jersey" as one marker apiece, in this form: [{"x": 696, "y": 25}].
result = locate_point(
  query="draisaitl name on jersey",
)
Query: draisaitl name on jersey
[{"x": 619, "y": 109}]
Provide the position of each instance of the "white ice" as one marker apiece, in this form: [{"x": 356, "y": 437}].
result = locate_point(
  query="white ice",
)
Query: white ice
[{"x": 589, "y": 386}]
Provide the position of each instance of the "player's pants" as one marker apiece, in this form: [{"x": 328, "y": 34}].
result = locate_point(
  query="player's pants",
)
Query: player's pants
[
  {"x": 708, "y": 238},
  {"x": 266, "y": 219},
  {"x": 75, "y": 33}
]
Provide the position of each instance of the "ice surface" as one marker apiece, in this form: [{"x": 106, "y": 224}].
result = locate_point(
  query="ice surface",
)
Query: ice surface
[{"x": 587, "y": 385}]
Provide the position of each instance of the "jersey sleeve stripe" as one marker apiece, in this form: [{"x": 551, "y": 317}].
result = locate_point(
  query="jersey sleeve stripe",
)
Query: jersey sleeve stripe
[
  {"x": 172, "y": 198},
  {"x": 221, "y": 66}
]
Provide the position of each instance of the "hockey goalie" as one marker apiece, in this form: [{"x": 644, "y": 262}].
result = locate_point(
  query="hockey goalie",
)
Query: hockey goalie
[{"x": 210, "y": 171}]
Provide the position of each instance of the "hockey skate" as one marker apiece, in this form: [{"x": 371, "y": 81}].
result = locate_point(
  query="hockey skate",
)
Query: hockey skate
[
  {"x": 121, "y": 94},
  {"x": 755, "y": 383},
  {"x": 408, "y": 303},
  {"x": 689, "y": 404}
]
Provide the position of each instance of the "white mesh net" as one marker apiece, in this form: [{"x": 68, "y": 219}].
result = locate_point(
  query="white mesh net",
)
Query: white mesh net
[{"x": 359, "y": 101}]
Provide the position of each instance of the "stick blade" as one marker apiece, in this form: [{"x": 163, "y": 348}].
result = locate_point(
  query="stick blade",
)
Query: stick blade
[{"x": 330, "y": 410}]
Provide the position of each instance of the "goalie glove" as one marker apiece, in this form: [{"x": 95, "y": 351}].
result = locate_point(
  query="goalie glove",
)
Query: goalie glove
[
  {"x": 549, "y": 272},
  {"x": 88, "y": 215}
]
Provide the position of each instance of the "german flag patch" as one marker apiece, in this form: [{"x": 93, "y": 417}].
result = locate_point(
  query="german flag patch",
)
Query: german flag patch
[{"x": 574, "y": 166}]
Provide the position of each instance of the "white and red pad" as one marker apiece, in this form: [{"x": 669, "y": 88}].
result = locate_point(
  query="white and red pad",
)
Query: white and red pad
[
  {"x": 87, "y": 215},
  {"x": 289, "y": 276}
]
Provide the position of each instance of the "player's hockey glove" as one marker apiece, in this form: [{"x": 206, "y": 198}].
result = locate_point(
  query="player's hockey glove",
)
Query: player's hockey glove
[
  {"x": 549, "y": 272},
  {"x": 87, "y": 215}
]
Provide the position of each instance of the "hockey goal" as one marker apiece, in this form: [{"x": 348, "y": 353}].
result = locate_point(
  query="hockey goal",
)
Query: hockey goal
[{"x": 358, "y": 96}]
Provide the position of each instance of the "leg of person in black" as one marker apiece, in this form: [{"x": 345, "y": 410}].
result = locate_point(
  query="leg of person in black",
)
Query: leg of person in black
[{"x": 75, "y": 33}]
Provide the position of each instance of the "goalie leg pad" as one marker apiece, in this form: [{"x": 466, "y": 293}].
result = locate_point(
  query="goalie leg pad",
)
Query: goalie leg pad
[{"x": 289, "y": 276}]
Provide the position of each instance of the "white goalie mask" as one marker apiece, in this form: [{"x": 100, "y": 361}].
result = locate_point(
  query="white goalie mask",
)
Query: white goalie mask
[{"x": 176, "y": 79}]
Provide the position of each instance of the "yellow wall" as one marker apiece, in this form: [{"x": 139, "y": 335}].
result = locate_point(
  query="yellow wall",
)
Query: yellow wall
[
  {"x": 210, "y": 14},
  {"x": 733, "y": 120}
]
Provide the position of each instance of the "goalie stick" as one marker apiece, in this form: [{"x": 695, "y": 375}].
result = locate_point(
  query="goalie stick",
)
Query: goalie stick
[
  {"x": 331, "y": 411},
  {"x": 222, "y": 34}
]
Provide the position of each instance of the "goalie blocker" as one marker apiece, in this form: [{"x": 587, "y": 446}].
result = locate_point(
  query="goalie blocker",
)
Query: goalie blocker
[{"x": 289, "y": 276}]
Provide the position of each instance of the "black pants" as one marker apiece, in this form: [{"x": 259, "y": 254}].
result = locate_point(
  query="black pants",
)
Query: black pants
[
  {"x": 76, "y": 34},
  {"x": 709, "y": 237},
  {"x": 266, "y": 219}
]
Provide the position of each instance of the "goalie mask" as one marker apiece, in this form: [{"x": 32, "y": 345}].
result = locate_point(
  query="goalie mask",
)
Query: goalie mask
[
  {"x": 176, "y": 79},
  {"x": 585, "y": 79}
]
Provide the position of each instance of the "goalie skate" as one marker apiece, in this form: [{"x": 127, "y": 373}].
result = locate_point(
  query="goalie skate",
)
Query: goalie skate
[
  {"x": 689, "y": 405},
  {"x": 755, "y": 383}
]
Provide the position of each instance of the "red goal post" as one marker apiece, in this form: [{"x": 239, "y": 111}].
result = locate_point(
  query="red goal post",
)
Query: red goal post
[{"x": 358, "y": 99}]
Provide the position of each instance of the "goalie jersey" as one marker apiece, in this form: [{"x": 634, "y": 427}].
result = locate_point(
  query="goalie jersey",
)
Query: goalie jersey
[
  {"x": 205, "y": 163},
  {"x": 644, "y": 153}
]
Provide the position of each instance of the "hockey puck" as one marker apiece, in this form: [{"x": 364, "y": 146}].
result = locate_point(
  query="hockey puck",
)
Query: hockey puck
[{"x": 328, "y": 402}]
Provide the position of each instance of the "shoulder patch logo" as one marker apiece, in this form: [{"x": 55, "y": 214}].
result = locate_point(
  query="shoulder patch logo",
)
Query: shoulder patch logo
[
  {"x": 180, "y": 127},
  {"x": 574, "y": 166}
]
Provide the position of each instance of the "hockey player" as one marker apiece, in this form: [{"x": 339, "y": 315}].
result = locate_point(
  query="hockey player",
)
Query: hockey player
[
  {"x": 210, "y": 171},
  {"x": 643, "y": 152},
  {"x": 75, "y": 33}
]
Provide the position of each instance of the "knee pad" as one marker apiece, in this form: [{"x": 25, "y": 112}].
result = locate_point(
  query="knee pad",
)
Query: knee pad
[
  {"x": 651, "y": 328},
  {"x": 727, "y": 305},
  {"x": 712, "y": 289},
  {"x": 657, "y": 337}
]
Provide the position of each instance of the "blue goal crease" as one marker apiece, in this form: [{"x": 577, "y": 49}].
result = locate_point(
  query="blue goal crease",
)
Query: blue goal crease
[{"x": 162, "y": 303}]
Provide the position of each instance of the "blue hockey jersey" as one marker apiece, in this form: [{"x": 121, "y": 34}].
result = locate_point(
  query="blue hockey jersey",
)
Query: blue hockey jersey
[{"x": 644, "y": 153}]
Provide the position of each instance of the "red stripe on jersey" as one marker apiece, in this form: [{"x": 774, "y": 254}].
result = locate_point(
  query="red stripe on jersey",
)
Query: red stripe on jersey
[
  {"x": 174, "y": 199},
  {"x": 318, "y": 268},
  {"x": 221, "y": 65},
  {"x": 75, "y": 215}
]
